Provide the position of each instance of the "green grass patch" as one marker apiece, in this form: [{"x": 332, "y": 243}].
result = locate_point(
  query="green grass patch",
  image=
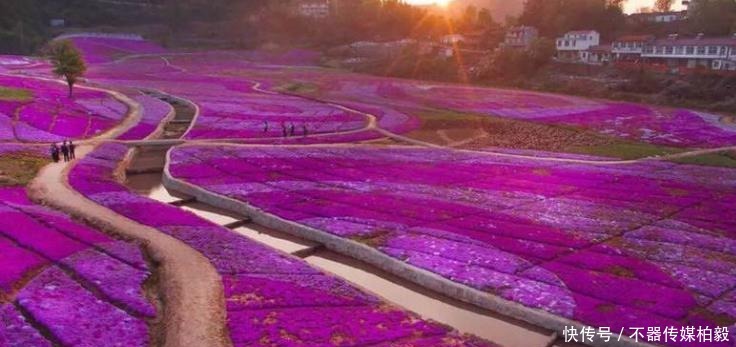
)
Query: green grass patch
[
  {"x": 18, "y": 169},
  {"x": 15, "y": 94},
  {"x": 298, "y": 88},
  {"x": 721, "y": 159},
  {"x": 626, "y": 150}
]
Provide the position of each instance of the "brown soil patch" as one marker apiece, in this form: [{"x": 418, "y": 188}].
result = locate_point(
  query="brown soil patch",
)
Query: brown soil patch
[
  {"x": 499, "y": 132},
  {"x": 17, "y": 169}
]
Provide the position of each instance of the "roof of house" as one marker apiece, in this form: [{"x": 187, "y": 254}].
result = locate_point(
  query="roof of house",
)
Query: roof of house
[
  {"x": 577, "y": 32},
  {"x": 693, "y": 41},
  {"x": 654, "y": 14},
  {"x": 635, "y": 38},
  {"x": 600, "y": 48}
]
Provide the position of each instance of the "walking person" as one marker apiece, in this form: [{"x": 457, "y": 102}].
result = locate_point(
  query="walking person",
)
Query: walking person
[
  {"x": 72, "y": 149},
  {"x": 265, "y": 126},
  {"x": 304, "y": 130},
  {"x": 283, "y": 130},
  {"x": 291, "y": 129},
  {"x": 65, "y": 151},
  {"x": 54, "y": 153}
]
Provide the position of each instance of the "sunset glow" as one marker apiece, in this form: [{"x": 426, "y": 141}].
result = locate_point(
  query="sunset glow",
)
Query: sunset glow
[{"x": 442, "y": 3}]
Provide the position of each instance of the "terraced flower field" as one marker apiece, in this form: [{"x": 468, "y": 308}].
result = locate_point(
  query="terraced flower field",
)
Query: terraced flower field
[
  {"x": 551, "y": 238},
  {"x": 34, "y": 110},
  {"x": 271, "y": 298},
  {"x": 613, "y": 246},
  {"x": 65, "y": 284},
  {"x": 628, "y": 121}
]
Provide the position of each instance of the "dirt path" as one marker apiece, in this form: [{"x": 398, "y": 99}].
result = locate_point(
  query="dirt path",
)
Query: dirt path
[{"x": 190, "y": 287}]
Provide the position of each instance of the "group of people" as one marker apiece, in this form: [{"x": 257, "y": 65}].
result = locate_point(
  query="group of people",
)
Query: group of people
[
  {"x": 287, "y": 131},
  {"x": 67, "y": 150}
]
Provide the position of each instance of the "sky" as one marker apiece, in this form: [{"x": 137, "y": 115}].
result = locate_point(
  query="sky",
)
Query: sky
[{"x": 631, "y": 6}]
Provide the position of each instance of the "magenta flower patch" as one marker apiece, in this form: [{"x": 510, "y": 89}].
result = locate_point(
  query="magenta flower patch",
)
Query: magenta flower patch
[
  {"x": 77, "y": 283},
  {"x": 650, "y": 242},
  {"x": 269, "y": 296},
  {"x": 51, "y": 116}
]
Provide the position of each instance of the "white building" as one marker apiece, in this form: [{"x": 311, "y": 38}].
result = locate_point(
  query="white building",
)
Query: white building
[
  {"x": 313, "y": 8},
  {"x": 520, "y": 37},
  {"x": 452, "y": 39},
  {"x": 658, "y": 17},
  {"x": 574, "y": 46},
  {"x": 598, "y": 55},
  {"x": 717, "y": 53},
  {"x": 630, "y": 48}
]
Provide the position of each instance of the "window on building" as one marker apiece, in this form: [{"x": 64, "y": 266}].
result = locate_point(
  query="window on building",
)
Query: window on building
[
  {"x": 712, "y": 50},
  {"x": 701, "y": 50},
  {"x": 668, "y": 50},
  {"x": 679, "y": 50},
  {"x": 690, "y": 50}
]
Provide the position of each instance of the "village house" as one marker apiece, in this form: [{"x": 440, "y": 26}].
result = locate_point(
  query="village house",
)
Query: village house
[
  {"x": 629, "y": 48},
  {"x": 717, "y": 53},
  {"x": 520, "y": 37},
  {"x": 313, "y": 8},
  {"x": 658, "y": 17},
  {"x": 598, "y": 55},
  {"x": 573, "y": 47}
]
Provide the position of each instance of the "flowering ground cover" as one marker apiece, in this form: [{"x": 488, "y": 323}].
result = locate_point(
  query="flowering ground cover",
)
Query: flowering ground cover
[
  {"x": 33, "y": 110},
  {"x": 271, "y": 298},
  {"x": 107, "y": 48},
  {"x": 154, "y": 112},
  {"x": 12, "y": 63},
  {"x": 635, "y": 122},
  {"x": 64, "y": 284},
  {"x": 645, "y": 244}
]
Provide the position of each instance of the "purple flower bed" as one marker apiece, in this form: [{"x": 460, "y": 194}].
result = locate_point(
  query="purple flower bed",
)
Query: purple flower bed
[
  {"x": 231, "y": 112},
  {"x": 657, "y": 125},
  {"x": 82, "y": 286},
  {"x": 154, "y": 112},
  {"x": 102, "y": 49},
  {"x": 270, "y": 296},
  {"x": 647, "y": 244},
  {"x": 50, "y": 115}
]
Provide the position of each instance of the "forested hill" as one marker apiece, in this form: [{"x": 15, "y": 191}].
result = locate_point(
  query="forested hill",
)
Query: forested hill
[{"x": 24, "y": 24}]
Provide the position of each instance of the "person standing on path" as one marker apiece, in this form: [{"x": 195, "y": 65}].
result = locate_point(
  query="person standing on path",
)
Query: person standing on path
[
  {"x": 291, "y": 129},
  {"x": 54, "y": 153},
  {"x": 304, "y": 130},
  {"x": 65, "y": 151},
  {"x": 265, "y": 126},
  {"x": 283, "y": 129},
  {"x": 72, "y": 149}
]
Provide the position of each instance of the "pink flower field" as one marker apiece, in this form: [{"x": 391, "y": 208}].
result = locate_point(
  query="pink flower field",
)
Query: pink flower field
[
  {"x": 271, "y": 298},
  {"x": 64, "y": 284},
  {"x": 569, "y": 239},
  {"x": 551, "y": 239},
  {"x": 635, "y": 122},
  {"x": 42, "y": 111}
]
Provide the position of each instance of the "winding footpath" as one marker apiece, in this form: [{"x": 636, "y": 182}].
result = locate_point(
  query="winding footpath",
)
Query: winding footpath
[{"x": 191, "y": 289}]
